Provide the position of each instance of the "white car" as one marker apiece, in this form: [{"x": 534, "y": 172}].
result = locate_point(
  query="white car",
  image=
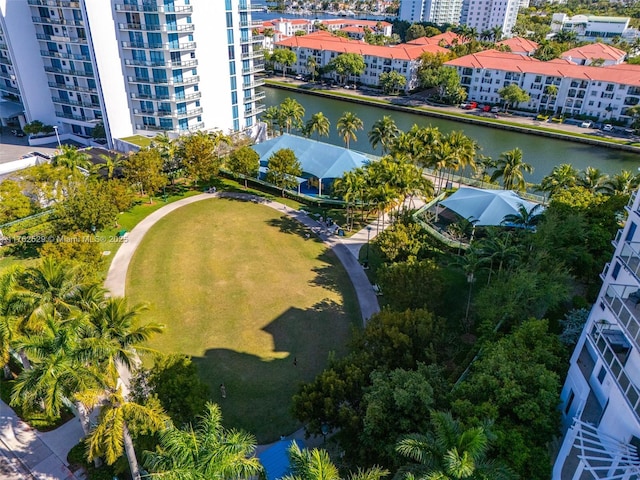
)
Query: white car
[
  {"x": 607, "y": 127},
  {"x": 586, "y": 124},
  {"x": 495, "y": 109}
]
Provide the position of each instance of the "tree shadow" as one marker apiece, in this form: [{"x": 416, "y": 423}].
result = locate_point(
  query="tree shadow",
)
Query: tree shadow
[
  {"x": 291, "y": 226},
  {"x": 259, "y": 390},
  {"x": 326, "y": 273}
]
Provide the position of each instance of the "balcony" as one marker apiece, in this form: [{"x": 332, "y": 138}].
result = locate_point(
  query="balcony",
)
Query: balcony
[
  {"x": 54, "y": 3},
  {"x": 75, "y": 103},
  {"x": 74, "y": 88},
  {"x": 147, "y": 63},
  {"x": 156, "y": 28},
  {"x": 182, "y": 9},
  {"x": 67, "y": 56},
  {"x": 61, "y": 38},
  {"x": 623, "y": 301},
  {"x": 630, "y": 256},
  {"x": 256, "y": 68},
  {"x": 257, "y": 110},
  {"x": 614, "y": 349},
  {"x": 257, "y": 96},
  {"x": 172, "y": 98},
  {"x": 7, "y": 88},
  {"x": 162, "y": 128},
  {"x": 66, "y": 71},
  {"x": 57, "y": 21},
  {"x": 251, "y": 24},
  {"x": 252, "y": 39},
  {"x": 252, "y": 54},
  {"x": 258, "y": 82},
  {"x": 247, "y": 7},
  {"x": 190, "y": 113},
  {"x": 7, "y": 75},
  {"x": 79, "y": 118}
]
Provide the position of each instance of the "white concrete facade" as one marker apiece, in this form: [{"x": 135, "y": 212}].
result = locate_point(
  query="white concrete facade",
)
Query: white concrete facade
[
  {"x": 487, "y": 14},
  {"x": 601, "y": 395},
  {"x": 140, "y": 67},
  {"x": 440, "y": 12},
  {"x": 591, "y": 27}
]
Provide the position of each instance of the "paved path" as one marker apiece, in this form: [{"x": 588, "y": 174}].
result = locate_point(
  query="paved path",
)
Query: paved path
[
  {"x": 346, "y": 250},
  {"x": 26, "y": 454}
]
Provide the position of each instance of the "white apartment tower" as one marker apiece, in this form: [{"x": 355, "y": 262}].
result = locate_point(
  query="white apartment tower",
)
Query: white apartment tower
[
  {"x": 137, "y": 66},
  {"x": 601, "y": 395},
  {"x": 439, "y": 12},
  {"x": 487, "y": 14}
]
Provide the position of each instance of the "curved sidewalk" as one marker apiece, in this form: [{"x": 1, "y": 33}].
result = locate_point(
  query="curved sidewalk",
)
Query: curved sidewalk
[{"x": 347, "y": 252}]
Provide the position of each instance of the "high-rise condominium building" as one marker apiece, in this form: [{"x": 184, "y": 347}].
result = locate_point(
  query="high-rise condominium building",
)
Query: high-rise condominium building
[
  {"x": 136, "y": 66},
  {"x": 488, "y": 14},
  {"x": 601, "y": 395},
  {"x": 435, "y": 11}
]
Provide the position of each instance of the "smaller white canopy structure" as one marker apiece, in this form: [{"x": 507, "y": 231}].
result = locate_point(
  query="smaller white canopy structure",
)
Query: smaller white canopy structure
[{"x": 485, "y": 207}]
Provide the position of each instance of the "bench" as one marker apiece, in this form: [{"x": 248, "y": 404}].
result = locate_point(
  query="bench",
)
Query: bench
[
  {"x": 121, "y": 233},
  {"x": 376, "y": 288}
]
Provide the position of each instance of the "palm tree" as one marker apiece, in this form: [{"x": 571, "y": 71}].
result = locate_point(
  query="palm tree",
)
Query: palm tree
[
  {"x": 497, "y": 247},
  {"x": 292, "y": 113},
  {"x": 561, "y": 177},
  {"x": 317, "y": 465},
  {"x": 496, "y": 33},
  {"x": 510, "y": 167},
  {"x": 206, "y": 451},
  {"x": 383, "y": 133},
  {"x": 318, "y": 124},
  {"x": 593, "y": 179},
  {"x": 348, "y": 125},
  {"x": 527, "y": 219},
  {"x": 71, "y": 158},
  {"x": 622, "y": 183},
  {"x": 111, "y": 437},
  {"x": 463, "y": 150},
  {"x": 111, "y": 163},
  {"x": 312, "y": 65},
  {"x": 271, "y": 117},
  {"x": 451, "y": 452},
  {"x": 168, "y": 149}
]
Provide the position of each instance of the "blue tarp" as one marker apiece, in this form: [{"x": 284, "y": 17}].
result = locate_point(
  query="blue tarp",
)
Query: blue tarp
[
  {"x": 275, "y": 459},
  {"x": 318, "y": 159}
]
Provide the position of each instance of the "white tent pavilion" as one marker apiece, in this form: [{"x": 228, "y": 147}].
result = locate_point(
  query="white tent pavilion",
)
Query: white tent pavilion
[{"x": 485, "y": 207}]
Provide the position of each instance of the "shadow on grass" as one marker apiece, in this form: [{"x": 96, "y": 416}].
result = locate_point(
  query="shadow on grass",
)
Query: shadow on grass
[
  {"x": 259, "y": 390},
  {"x": 325, "y": 275},
  {"x": 291, "y": 226}
]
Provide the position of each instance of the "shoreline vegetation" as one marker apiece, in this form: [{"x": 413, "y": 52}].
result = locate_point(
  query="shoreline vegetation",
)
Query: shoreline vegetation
[{"x": 504, "y": 122}]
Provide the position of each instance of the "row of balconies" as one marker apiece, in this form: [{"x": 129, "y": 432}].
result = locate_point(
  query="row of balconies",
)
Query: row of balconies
[
  {"x": 252, "y": 54},
  {"x": 57, "y": 21},
  {"x": 61, "y": 38},
  {"x": 165, "y": 81},
  {"x": 168, "y": 113},
  {"x": 147, "y": 63},
  {"x": 160, "y": 46},
  {"x": 54, "y": 3},
  {"x": 7, "y": 88},
  {"x": 75, "y": 88},
  {"x": 7, "y": 75},
  {"x": 75, "y": 103},
  {"x": 66, "y": 71},
  {"x": 245, "y": 7},
  {"x": 189, "y": 27},
  {"x": 258, "y": 82},
  {"x": 190, "y": 128},
  {"x": 256, "y": 68},
  {"x": 80, "y": 118},
  {"x": 172, "y": 98},
  {"x": 183, "y": 9},
  {"x": 68, "y": 56}
]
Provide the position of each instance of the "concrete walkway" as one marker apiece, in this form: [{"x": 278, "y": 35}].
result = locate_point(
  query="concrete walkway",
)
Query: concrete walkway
[
  {"x": 26, "y": 453},
  {"x": 347, "y": 250}
]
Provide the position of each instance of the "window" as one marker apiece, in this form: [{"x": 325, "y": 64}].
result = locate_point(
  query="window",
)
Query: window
[
  {"x": 569, "y": 402},
  {"x": 616, "y": 270},
  {"x": 601, "y": 374},
  {"x": 630, "y": 232}
]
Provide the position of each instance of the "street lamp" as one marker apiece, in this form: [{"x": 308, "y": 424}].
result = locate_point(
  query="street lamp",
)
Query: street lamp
[
  {"x": 366, "y": 262},
  {"x": 55, "y": 128},
  {"x": 325, "y": 431}
]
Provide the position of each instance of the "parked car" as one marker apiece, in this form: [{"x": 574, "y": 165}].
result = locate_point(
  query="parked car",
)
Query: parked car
[
  {"x": 471, "y": 105},
  {"x": 607, "y": 127},
  {"x": 486, "y": 108},
  {"x": 586, "y": 124},
  {"x": 495, "y": 109},
  {"x": 17, "y": 132},
  {"x": 464, "y": 105}
]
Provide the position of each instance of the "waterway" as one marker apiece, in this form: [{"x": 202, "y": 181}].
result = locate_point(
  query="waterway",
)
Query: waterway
[{"x": 540, "y": 152}]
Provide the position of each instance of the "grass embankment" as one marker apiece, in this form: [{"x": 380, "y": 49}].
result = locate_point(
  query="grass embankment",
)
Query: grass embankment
[{"x": 243, "y": 292}]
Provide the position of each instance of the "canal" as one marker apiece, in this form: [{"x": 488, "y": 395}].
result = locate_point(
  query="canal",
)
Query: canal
[{"x": 541, "y": 152}]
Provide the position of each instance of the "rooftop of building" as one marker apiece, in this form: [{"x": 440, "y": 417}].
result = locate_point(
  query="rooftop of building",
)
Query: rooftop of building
[
  {"x": 594, "y": 51},
  {"x": 445, "y": 39},
  {"x": 519, "y": 44}
]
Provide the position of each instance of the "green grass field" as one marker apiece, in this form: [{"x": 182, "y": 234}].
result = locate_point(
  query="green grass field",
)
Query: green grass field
[{"x": 243, "y": 292}]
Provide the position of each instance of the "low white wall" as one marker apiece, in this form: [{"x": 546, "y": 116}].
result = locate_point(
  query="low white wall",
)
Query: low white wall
[{"x": 21, "y": 164}]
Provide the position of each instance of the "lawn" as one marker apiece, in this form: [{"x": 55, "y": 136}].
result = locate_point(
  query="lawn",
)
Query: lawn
[{"x": 243, "y": 292}]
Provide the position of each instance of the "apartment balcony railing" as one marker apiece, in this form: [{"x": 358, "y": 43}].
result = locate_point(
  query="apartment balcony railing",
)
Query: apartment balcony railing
[
  {"x": 148, "y": 27},
  {"x": 258, "y": 82},
  {"x": 7, "y": 75},
  {"x": 247, "y": 7},
  {"x": 75, "y": 103},
  {"x": 61, "y": 38},
  {"x": 3, "y": 46},
  {"x": 168, "y": 113},
  {"x": 5, "y": 60},
  {"x": 79, "y": 118},
  {"x": 630, "y": 256},
  {"x": 195, "y": 127},
  {"x": 67, "y": 56},
  {"x": 251, "y": 24},
  {"x": 66, "y": 71},
  {"x": 252, "y": 54},
  {"x": 614, "y": 349},
  {"x": 58, "y": 21},
  {"x": 182, "y": 9},
  {"x": 165, "y": 81},
  {"x": 160, "y": 46},
  {"x": 252, "y": 39},
  {"x": 74, "y": 88},
  {"x": 163, "y": 128},
  {"x": 258, "y": 109},
  {"x": 623, "y": 301},
  {"x": 256, "y": 68},
  {"x": 172, "y": 98},
  {"x": 148, "y": 63},
  {"x": 54, "y": 3},
  {"x": 257, "y": 96},
  {"x": 7, "y": 88}
]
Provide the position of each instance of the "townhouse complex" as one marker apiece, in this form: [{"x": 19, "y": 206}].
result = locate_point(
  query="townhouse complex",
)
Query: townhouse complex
[
  {"x": 559, "y": 86},
  {"x": 134, "y": 66},
  {"x": 591, "y": 27},
  {"x": 601, "y": 395}
]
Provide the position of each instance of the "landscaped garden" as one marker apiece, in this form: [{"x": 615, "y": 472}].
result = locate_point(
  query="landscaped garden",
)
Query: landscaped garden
[{"x": 255, "y": 303}]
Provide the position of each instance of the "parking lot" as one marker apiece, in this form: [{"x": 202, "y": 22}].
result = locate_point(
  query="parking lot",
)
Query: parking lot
[{"x": 12, "y": 147}]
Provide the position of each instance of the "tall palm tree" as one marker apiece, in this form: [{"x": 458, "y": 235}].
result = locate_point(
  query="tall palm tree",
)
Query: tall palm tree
[
  {"x": 510, "y": 167},
  {"x": 451, "y": 452},
  {"x": 496, "y": 33},
  {"x": 204, "y": 452},
  {"x": 498, "y": 248},
  {"x": 111, "y": 437},
  {"x": 317, "y": 465},
  {"x": 622, "y": 183},
  {"x": 168, "y": 149},
  {"x": 463, "y": 149},
  {"x": 312, "y": 66},
  {"x": 292, "y": 113},
  {"x": 383, "y": 133},
  {"x": 71, "y": 158},
  {"x": 318, "y": 124},
  {"x": 271, "y": 117},
  {"x": 111, "y": 163},
  {"x": 561, "y": 177},
  {"x": 593, "y": 179},
  {"x": 348, "y": 124},
  {"x": 525, "y": 218}
]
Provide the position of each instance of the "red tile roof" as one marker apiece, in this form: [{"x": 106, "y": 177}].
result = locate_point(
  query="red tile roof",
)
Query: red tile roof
[
  {"x": 519, "y": 44},
  {"x": 449, "y": 38},
  {"x": 596, "y": 50},
  {"x": 493, "y": 60},
  {"x": 326, "y": 41}
]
